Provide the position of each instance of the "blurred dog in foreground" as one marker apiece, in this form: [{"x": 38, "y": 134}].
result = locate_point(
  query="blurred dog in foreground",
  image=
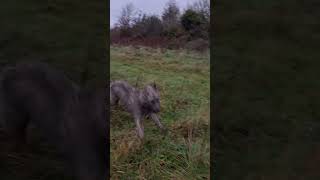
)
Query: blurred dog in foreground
[
  {"x": 73, "y": 119},
  {"x": 139, "y": 103}
]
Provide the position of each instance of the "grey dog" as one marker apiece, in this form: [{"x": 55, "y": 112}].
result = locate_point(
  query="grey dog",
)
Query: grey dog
[
  {"x": 73, "y": 119},
  {"x": 139, "y": 103}
]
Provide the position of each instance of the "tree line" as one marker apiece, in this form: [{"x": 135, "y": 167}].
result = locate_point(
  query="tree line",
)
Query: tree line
[{"x": 174, "y": 28}]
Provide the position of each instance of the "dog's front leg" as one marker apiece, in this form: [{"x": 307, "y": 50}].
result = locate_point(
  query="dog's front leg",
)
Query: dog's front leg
[{"x": 156, "y": 120}]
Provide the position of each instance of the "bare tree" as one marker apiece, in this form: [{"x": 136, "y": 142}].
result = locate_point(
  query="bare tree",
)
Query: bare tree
[
  {"x": 170, "y": 16},
  {"x": 126, "y": 16},
  {"x": 147, "y": 26},
  {"x": 202, "y": 7}
]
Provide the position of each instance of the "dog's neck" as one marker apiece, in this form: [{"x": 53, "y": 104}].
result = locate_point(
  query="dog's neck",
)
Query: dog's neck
[{"x": 143, "y": 102}]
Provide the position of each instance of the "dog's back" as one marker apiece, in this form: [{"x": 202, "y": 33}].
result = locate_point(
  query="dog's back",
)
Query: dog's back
[{"x": 122, "y": 92}]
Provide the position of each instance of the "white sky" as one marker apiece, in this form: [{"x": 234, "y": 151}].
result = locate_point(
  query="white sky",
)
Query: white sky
[{"x": 146, "y": 6}]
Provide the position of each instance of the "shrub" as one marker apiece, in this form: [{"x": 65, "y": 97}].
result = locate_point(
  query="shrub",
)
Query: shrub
[{"x": 194, "y": 23}]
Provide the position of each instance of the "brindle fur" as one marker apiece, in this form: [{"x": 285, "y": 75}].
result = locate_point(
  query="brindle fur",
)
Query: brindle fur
[
  {"x": 139, "y": 103},
  {"x": 73, "y": 119}
]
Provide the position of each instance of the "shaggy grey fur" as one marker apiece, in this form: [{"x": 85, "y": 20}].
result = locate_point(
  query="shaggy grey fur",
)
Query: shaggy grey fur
[
  {"x": 73, "y": 119},
  {"x": 139, "y": 103}
]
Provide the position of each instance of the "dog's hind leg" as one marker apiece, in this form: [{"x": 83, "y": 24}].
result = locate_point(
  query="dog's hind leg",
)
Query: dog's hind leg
[{"x": 140, "y": 129}]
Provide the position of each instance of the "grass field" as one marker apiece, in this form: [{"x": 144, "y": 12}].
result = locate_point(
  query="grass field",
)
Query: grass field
[{"x": 183, "y": 78}]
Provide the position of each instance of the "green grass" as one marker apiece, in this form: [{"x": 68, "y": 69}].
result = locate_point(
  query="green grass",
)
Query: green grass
[{"x": 183, "y": 78}]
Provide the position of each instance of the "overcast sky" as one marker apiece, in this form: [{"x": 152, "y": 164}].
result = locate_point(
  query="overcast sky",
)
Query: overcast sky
[{"x": 146, "y": 6}]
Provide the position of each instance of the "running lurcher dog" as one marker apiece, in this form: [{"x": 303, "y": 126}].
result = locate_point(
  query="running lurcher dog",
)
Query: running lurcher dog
[{"x": 139, "y": 103}]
